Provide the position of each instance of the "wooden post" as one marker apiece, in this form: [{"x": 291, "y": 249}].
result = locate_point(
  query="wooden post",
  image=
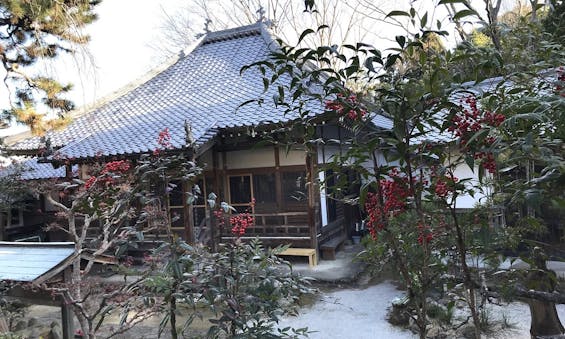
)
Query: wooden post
[
  {"x": 4, "y": 328},
  {"x": 278, "y": 180},
  {"x": 67, "y": 324},
  {"x": 311, "y": 201},
  {"x": 189, "y": 217},
  {"x": 2, "y": 217}
]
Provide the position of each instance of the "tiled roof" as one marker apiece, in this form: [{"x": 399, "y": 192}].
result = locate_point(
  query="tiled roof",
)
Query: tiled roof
[
  {"x": 204, "y": 88},
  {"x": 31, "y": 169},
  {"x": 382, "y": 122},
  {"x": 34, "y": 170},
  {"x": 20, "y": 261}
]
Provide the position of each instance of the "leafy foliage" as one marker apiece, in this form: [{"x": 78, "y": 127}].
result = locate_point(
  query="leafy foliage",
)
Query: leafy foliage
[
  {"x": 554, "y": 22},
  {"x": 410, "y": 191},
  {"x": 246, "y": 287}
]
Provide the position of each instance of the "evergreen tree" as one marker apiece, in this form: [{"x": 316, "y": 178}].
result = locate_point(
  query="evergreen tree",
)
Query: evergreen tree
[{"x": 31, "y": 30}]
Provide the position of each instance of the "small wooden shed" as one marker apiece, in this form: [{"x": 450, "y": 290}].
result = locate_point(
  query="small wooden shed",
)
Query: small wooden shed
[{"x": 39, "y": 263}]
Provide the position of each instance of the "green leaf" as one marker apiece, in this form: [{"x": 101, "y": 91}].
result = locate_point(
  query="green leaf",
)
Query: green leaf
[
  {"x": 444, "y": 2},
  {"x": 401, "y": 40},
  {"x": 190, "y": 198},
  {"x": 212, "y": 203},
  {"x": 470, "y": 161},
  {"x": 424, "y": 20},
  {"x": 391, "y": 60},
  {"x": 464, "y": 13},
  {"x": 185, "y": 246},
  {"x": 369, "y": 64},
  {"x": 397, "y": 13},
  {"x": 304, "y": 35},
  {"x": 477, "y": 135},
  {"x": 507, "y": 169}
]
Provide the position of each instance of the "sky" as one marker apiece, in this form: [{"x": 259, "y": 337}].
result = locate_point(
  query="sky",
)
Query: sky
[
  {"x": 118, "y": 53},
  {"x": 120, "y": 48}
]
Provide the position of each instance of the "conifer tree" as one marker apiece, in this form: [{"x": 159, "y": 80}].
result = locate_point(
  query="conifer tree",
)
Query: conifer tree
[{"x": 31, "y": 30}]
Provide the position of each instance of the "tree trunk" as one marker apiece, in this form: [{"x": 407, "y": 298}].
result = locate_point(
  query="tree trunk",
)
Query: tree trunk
[
  {"x": 545, "y": 320},
  {"x": 4, "y": 328},
  {"x": 173, "y": 317}
]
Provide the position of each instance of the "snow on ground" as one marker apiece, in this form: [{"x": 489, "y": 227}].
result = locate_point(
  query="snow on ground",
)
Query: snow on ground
[
  {"x": 351, "y": 313},
  {"x": 361, "y": 314},
  {"x": 518, "y": 316}
]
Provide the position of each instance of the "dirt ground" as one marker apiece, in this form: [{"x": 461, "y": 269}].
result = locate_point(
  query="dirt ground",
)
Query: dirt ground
[{"x": 343, "y": 312}]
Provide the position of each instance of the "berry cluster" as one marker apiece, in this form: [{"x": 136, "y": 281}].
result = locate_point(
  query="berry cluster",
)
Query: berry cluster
[
  {"x": 164, "y": 141},
  {"x": 425, "y": 234},
  {"x": 107, "y": 174},
  {"x": 240, "y": 223},
  {"x": 120, "y": 166},
  {"x": 395, "y": 191},
  {"x": 347, "y": 107},
  {"x": 444, "y": 186},
  {"x": 470, "y": 121}
]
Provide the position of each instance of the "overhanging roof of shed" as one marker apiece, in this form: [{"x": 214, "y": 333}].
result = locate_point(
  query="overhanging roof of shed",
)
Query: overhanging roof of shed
[{"x": 34, "y": 262}]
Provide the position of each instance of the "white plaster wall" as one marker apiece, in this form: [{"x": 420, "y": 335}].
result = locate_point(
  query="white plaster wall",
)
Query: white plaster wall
[
  {"x": 293, "y": 157},
  {"x": 463, "y": 171},
  {"x": 323, "y": 202},
  {"x": 381, "y": 161},
  {"x": 253, "y": 158}
]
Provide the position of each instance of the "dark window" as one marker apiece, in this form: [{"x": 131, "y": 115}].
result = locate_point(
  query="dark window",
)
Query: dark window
[
  {"x": 176, "y": 193},
  {"x": 264, "y": 190},
  {"x": 199, "y": 217},
  {"x": 240, "y": 189},
  {"x": 177, "y": 217},
  {"x": 15, "y": 217},
  {"x": 199, "y": 197},
  {"x": 209, "y": 187},
  {"x": 294, "y": 186}
]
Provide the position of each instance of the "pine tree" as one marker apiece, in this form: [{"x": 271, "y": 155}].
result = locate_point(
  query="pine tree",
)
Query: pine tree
[{"x": 31, "y": 30}]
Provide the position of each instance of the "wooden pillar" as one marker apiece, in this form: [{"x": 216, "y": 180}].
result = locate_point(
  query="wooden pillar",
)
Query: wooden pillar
[
  {"x": 67, "y": 324},
  {"x": 310, "y": 174},
  {"x": 69, "y": 171},
  {"x": 2, "y": 228},
  {"x": 217, "y": 189},
  {"x": 188, "y": 216},
  {"x": 278, "y": 180}
]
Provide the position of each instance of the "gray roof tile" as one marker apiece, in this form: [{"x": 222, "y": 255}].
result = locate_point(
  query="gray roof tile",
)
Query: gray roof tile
[
  {"x": 204, "y": 87},
  {"x": 31, "y": 169}
]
